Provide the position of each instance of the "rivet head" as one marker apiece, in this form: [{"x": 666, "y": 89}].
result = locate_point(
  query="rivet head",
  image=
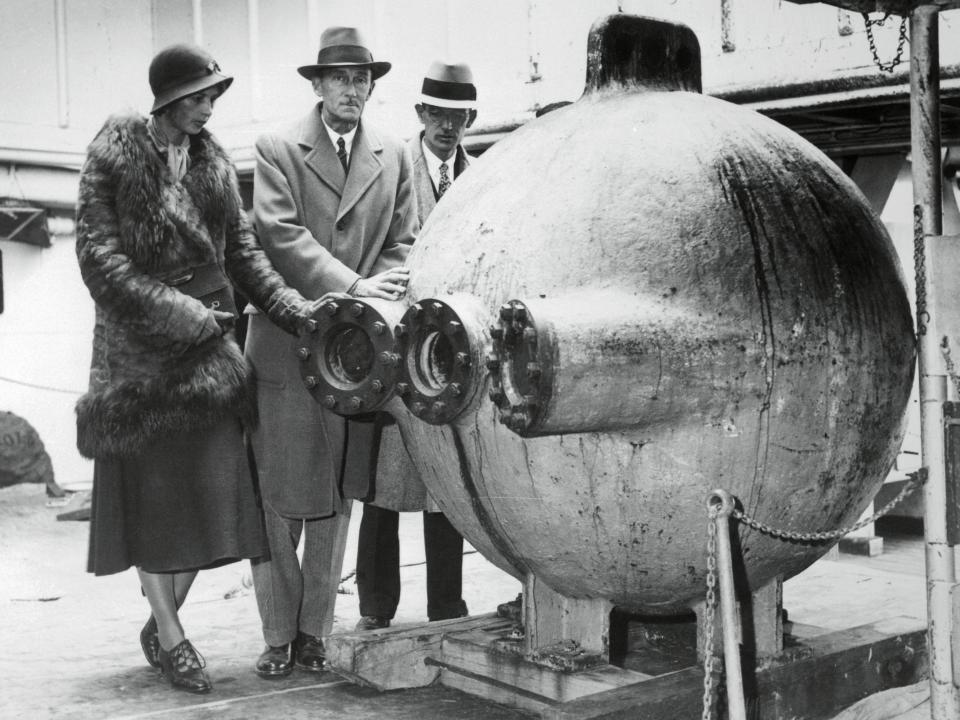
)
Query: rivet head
[
  {"x": 520, "y": 313},
  {"x": 437, "y": 307},
  {"x": 310, "y": 381},
  {"x": 311, "y": 325},
  {"x": 331, "y": 308},
  {"x": 462, "y": 359},
  {"x": 496, "y": 332},
  {"x": 377, "y": 386},
  {"x": 329, "y": 402},
  {"x": 417, "y": 408},
  {"x": 416, "y": 310},
  {"x": 379, "y": 328},
  {"x": 355, "y": 403},
  {"x": 356, "y": 309},
  {"x": 533, "y": 370},
  {"x": 303, "y": 353},
  {"x": 400, "y": 330},
  {"x": 506, "y": 311},
  {"x": 402, "y": 388},
  {"x": 455, "y": 389},
  {"x": 439, "y": 407},
  {"x": 454, "y": 327},
  {"x": 493, "y": 363}
]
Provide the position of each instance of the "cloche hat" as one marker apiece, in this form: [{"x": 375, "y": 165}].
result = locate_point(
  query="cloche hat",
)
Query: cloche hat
[
  {"x": 449, "y": 86},
  {"x": 343, "y": 47},
  {"x": 181, "y": 70}
]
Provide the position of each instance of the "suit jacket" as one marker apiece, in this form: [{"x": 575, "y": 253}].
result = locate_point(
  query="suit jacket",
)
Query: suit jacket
[
  {"x": 426, "y": 192},
  {"x": 398, "y": 485},
  {"x": 322, "y": 231}
]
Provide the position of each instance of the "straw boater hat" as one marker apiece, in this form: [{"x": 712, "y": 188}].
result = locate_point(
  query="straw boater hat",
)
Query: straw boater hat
[
  {"x": 343, "y": 47},
  {"x": 449, "y": 86},
  {"x": 181, "y": 70}
]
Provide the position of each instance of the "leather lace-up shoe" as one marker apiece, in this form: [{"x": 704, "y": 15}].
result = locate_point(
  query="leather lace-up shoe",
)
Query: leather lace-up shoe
[
  {"x": 310, "y": 652},
  {"x": 150, "y": 642},
  {"x": 276, "y": 661},
  {"x": 183, "y": 667},
  {"x": 373, "y": 622}
]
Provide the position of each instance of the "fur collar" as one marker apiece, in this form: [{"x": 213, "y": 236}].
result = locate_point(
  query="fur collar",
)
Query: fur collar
[{"x": 162, "y": 222}]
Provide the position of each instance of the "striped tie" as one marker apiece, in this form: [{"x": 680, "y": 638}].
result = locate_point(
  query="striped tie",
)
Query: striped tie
[
  {"x": 444, "y": 180},
  {"x": 342, "y": 154}
]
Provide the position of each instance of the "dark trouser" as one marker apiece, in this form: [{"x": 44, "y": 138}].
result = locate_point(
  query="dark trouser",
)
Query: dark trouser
[{"x": 378, "y": 564}]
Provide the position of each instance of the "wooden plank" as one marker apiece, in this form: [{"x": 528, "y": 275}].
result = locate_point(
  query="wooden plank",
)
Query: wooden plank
[
  {"x": 394, "y": 658},
  {"x": 478, "y": 658},
  {"x": 813, "y": 680},
  {"x": 675, "y": 696}
]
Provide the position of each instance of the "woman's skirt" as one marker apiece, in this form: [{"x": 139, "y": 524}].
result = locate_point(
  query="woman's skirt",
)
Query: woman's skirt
[{"x": 186, "y": 502}]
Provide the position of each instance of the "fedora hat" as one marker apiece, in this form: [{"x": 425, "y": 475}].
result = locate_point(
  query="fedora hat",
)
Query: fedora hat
[
  {"x": 343, "y": 47},
  {"x": 449, "y": 86},
  {"x": 181, "y": 70}
]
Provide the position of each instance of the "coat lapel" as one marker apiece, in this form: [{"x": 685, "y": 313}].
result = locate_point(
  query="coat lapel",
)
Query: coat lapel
[
  {"x": 321, "y": 157},
  {"x": 425, "y": 191},
  {"x": 365, "y": 167}
]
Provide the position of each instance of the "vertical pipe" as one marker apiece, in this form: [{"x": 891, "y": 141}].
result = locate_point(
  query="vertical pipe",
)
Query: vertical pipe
[
  {"x": 925, "y": 153},
  {"x": 736, "y": 708},
  {"x": 63, "y": 90}
]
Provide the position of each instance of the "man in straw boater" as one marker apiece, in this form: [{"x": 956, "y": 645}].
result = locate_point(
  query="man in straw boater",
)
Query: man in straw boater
[
  {"x": 335, "y": 211},
  {"x": 446, "y": 109}
]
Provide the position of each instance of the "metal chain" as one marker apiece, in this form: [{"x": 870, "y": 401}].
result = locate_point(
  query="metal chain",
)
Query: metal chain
[
  {"x": 890, "y": 66},
  {"x": 710, "y": 612},
  {"x": 920, "y": 272},
  {"x": 916, "y": 479}
]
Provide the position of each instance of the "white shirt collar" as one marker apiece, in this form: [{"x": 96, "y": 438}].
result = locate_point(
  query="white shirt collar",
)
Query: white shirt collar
[
  {"x": 347, "y": 137},
  {"x": 433, "y": 164}
]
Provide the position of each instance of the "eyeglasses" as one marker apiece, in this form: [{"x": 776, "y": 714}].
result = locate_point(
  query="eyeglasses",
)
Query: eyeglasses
[
  {"x": 438, "y": 116},
  {"x": 341, "y": 79}
]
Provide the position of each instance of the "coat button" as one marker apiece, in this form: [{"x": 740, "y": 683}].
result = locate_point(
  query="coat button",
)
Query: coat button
[{"x": 341, "y": 224}]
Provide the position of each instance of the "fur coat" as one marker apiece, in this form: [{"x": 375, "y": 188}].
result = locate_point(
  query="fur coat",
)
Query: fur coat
[{"x": 161, "y": 362}]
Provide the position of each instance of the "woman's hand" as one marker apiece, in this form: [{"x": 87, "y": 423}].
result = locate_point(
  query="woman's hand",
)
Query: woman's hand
[
  {"x": 389, "y": 285},
  {"x": 225, "y": 320}
]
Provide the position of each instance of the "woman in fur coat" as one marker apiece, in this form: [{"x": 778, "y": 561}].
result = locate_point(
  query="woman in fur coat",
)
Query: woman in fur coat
[{"x": 160, "y": 228}]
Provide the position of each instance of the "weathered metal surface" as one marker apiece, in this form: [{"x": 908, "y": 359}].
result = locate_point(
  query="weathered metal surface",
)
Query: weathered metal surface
[
  {"x": 768, "y": 351},
  {"x": 701, "y": 210}
]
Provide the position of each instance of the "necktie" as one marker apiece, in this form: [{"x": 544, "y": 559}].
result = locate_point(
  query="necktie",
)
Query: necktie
[
  {"x": 444, "y": 180},
  {"x": 342, "y": 154}
]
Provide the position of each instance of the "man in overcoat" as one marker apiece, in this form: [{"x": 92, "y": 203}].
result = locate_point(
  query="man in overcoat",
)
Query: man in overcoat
[
  {"x": 446, "y": 109},
  {"x": 334, "y": 209}
]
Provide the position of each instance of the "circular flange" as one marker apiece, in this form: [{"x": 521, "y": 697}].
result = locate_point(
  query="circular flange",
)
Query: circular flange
[
  {"x": 438, "y": 361},
  {"x": 348, "y": 358},
  {"x": 519, "y": 368}
]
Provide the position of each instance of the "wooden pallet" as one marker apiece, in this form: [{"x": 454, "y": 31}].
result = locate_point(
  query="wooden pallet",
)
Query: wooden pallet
[{"x": 817, "y": 674}]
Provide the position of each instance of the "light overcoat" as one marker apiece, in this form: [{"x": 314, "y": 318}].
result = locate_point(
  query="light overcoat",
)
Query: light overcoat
[
  {"x": 398, "y": 485},
  {"x": 322, "y": 231}
]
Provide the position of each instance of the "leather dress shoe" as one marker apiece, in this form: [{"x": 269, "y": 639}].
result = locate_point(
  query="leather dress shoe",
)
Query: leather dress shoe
[
  {"x": 183, "y": 667},
  {"x": 373, "y": 622},
  {"x": 150, "y": 642},
  {"x": 310, "y": 652},
  {"x": 276, "y": 661}
]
